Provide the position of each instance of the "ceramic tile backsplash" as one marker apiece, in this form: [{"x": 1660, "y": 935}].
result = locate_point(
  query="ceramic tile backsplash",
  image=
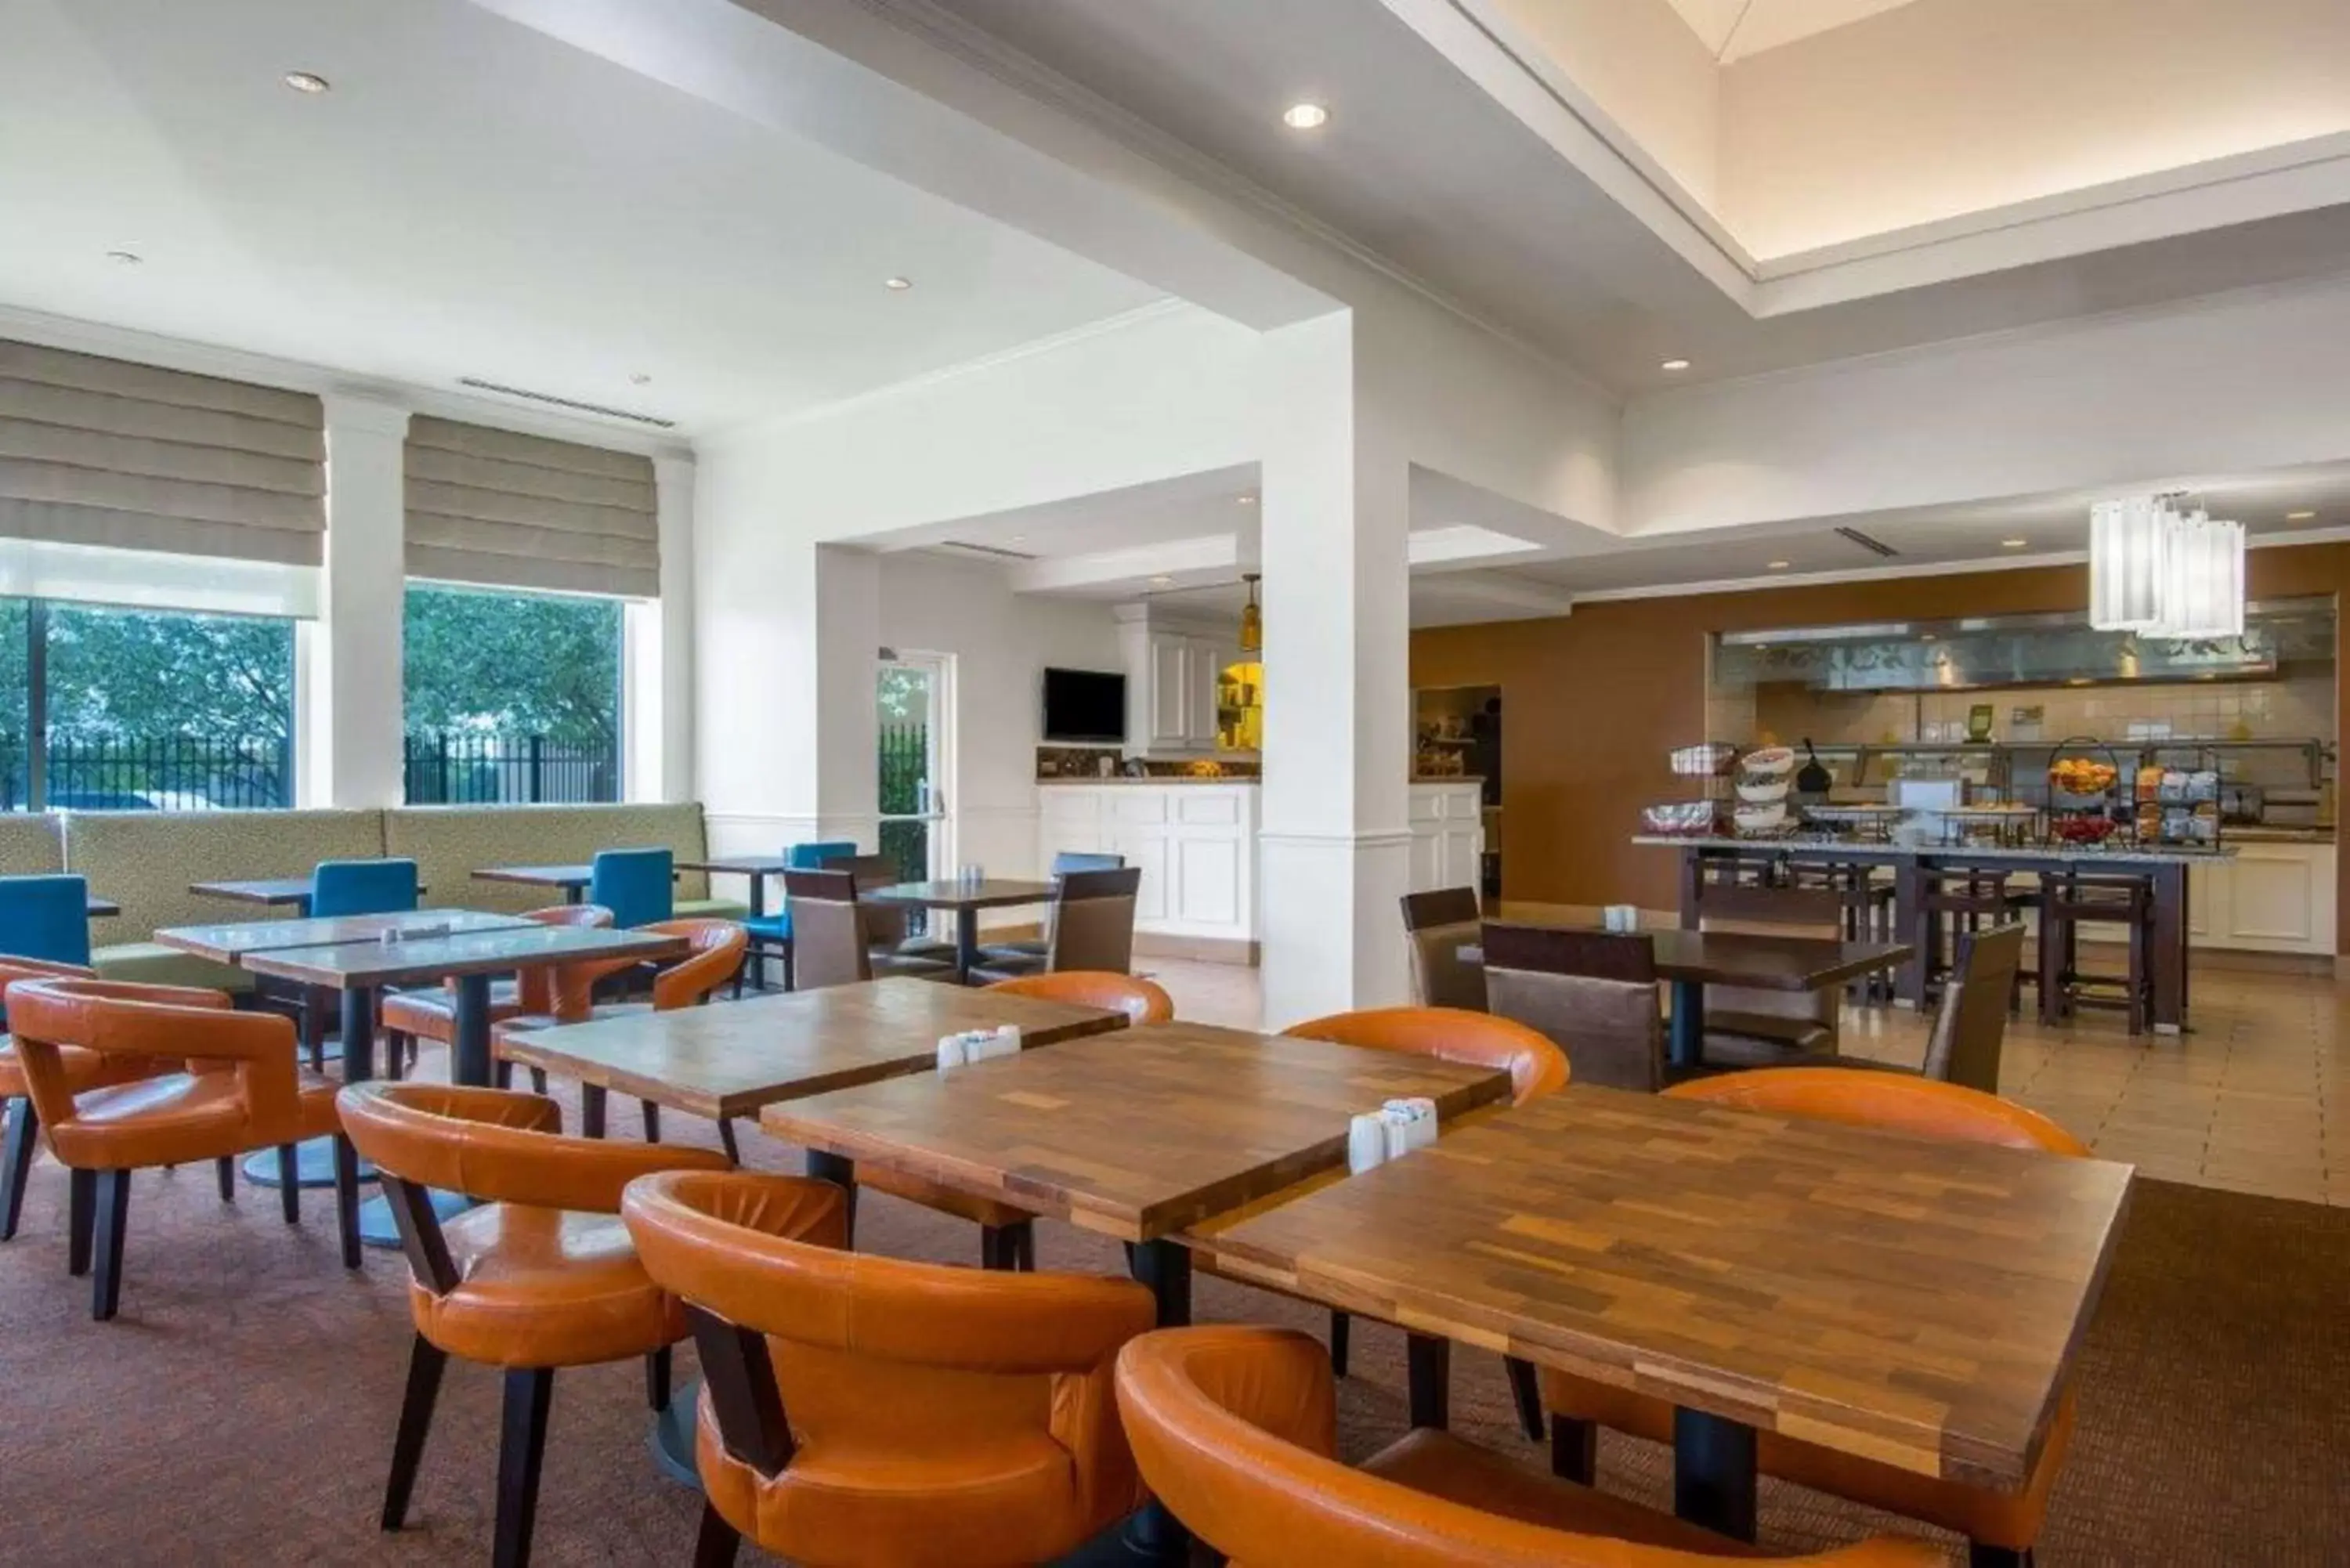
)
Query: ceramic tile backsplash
[{"x": 2296, "y": 707}]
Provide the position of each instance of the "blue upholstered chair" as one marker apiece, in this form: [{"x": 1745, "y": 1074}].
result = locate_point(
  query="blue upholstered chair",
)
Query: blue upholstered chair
[
  {"x": 772, "y": 934},
  {"x": 1040, "y": 946},
  {"x": 46, "y": 918},
  {"x": 362, "y": 887},
  {"x": 636, "y": 884}
]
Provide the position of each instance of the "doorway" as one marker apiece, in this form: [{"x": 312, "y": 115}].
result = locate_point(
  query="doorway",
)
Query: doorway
[{"x": 912, "y": 753}]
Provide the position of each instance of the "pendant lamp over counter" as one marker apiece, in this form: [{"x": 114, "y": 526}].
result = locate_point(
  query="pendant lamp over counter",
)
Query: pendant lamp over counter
[
  {"x": 2161, "y": 570},
  {"x": 1252, "y": 618}
]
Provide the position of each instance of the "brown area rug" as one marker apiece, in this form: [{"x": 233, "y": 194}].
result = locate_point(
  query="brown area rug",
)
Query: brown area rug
[{"x": 241, "y": 1409}]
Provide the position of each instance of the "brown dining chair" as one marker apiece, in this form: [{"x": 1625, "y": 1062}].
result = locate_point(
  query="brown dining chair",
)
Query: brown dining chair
[
  {"x": 234, "y": 1085},
  {"x": 862, "y": 1410},
  {"x": 714, "y": 952},
  {"x": 1142, "y": 1000},
  {"x": 1439, "y": 924},
  {"x": 1093, "y": 927},
  {"x": 2001, "y": 1526},
  {"x": 1971, "y": 1022},
  {"x": 78, "y": 1069},
  {"x": 409, "y": 1017},
  {"x": 1592, "y": 992},
  {"x": 1753, "y": 1026},
  {"x": 831, "y": 936},
  {"x": 541, "y": 1275},
  {"x": 1536, "y": 1067},
  {"x": 1235, "y": 1429},
  {"x": 888, "y": 927}
]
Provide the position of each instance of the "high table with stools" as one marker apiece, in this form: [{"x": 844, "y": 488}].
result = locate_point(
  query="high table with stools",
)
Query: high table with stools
[
  {"x": 1690, "y": 960},
  {"x": 359, "y": 969},
  {"x": 2163, "y": 869},
  {"x": 966, "y": 899},
  {"x": 236, "y": 942},
  {"x": 1135, "y": 1136},
  {"x": 1758, "y": 1271}
]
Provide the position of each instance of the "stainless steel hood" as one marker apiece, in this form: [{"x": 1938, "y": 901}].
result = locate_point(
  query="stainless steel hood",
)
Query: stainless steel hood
[{"x": 1986, "y": 653}]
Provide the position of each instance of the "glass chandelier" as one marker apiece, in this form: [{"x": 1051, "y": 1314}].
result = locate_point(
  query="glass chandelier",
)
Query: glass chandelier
[{"x": 2161, "y": 571}]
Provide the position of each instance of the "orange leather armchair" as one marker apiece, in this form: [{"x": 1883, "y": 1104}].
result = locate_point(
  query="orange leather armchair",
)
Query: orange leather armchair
[
  {"x": 203, "y": 1082},
  {"x": 717, "y": 949},
  {"x": 1234, "y": 1430},
  {"x": 1537, "y": 1067},
  {"x": 2001, "y": 1526},
  {"x": 409, "y": 1016},
  {"x": 1142, "y": 1000},
  {"x": 540, "y": 1276},
  {"x": 81, "y": 1070},
  {"x": 862, "y": 1410}
]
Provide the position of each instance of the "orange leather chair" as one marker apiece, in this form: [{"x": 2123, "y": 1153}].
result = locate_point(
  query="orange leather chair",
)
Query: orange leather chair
[
  {"x": 81, "y": 1070},
  {"x": 229, "y": 1084},
  {"x": 1234, "y": 1429},
  {"x": 409, "y": 1016},
  {"x": 540, "y": 1276},
  {"x": 1537, "y": 1067},
  {"x": 2001, "y": 1526},
  {"x": 1142, "y": 1000},
  {"x": 861, "y": 1411},
  {"x": 718, "y": 947}
]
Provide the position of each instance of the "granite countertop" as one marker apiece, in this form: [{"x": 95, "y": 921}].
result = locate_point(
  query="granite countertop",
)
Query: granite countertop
[
  {"x": 2140, "y": 854},
  {"x": 1120, "y": 779}
]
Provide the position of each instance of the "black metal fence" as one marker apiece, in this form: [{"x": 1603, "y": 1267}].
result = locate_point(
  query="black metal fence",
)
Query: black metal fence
[
  {"x": 481, "y": 770},
  {"x": 146, "y": 773}
]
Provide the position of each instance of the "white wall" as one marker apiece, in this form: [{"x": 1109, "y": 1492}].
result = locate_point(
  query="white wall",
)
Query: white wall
[
  {"x": 1932, "y": 110},
  {"x": 1001, "y": 643},
  {"x": 2228, "y": 385}
]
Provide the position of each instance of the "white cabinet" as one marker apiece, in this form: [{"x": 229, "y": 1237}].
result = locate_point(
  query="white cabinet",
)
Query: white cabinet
[
  {"x": 1448, "y": 835},
  {"x": 1195, "y": 845},
  {"x": 2268, "y": 898},
  {"x": 1171, "y": 669}
]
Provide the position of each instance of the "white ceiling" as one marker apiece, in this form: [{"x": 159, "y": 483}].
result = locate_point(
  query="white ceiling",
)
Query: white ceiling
[
  {"x": 1420, "y": 165},
  {"x": 476, "y": 199},
  {"x": 1733, "y": 29}
]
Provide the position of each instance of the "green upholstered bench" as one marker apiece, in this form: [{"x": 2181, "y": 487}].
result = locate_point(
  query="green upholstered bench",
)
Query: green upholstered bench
[{"x": 449, "y": 843}]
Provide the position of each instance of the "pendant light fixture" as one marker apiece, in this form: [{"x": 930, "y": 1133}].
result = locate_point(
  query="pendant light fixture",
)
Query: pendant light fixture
[
  {"x": 2126, "y": 542},
  {"x": 2161, "y": 570},
  {"x": 2202, "y": 578},
  {"x": 1252, "y": 618}
]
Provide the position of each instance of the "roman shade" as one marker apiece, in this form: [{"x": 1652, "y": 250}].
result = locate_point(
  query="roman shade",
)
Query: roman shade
[
  {"x": 517, "y": 511},
  {"x": 97, "y": 451}
]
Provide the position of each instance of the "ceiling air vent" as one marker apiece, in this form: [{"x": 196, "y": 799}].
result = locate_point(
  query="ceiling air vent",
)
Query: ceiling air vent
[
  {"x": 574, "y": 404},
  {"x": 982, "y": 552},
  {"x": 1875, "y": 546}
]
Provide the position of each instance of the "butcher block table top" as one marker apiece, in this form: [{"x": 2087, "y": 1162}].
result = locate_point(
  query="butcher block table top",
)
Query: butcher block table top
[
  {"x": 730, "y": 1059},
  {"x": 1917, "y": 1303},
  {"x": 1133, "y": 1134}
]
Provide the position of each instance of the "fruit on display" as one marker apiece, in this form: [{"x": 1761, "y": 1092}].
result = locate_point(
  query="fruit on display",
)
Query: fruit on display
[
  {"x": 2084, "y": 829},
  {"x": 2081, "y": 775}
]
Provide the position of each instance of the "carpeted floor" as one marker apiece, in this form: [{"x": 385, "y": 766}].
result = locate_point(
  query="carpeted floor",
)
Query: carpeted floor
[{"x": 240, "y": 1411}]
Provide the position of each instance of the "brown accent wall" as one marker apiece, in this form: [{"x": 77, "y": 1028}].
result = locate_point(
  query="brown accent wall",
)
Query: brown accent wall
[{"x": 1591, "y": 702}]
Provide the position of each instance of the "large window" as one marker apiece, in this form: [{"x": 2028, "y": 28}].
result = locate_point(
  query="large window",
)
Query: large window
[
  {"x": 105, "y": 709},
  {"x": 512, "y": 697}
]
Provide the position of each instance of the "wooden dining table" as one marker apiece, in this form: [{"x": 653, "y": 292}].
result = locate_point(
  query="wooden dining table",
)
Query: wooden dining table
[
  {"x": 966, "y": 899},
  {"x": 1917, "y": 1303},
  {"x": 1133, "y": 1136},
  {"x": 1689, "y": 962},
  {"x": 758, "y": 868}
]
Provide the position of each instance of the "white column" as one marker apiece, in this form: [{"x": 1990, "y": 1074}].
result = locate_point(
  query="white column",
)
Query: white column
[
  {"x": 352, "y": 726},
  {"x": 1334, "y": 849},
  {"x": 785, "y": 634},
  {"x": 657, "y": 652}
]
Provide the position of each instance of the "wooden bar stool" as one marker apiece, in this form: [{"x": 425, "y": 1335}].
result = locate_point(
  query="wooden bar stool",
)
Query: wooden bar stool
[
  {"x": 1969, "y": 900},
  {"x": 2070, "y": 900}
]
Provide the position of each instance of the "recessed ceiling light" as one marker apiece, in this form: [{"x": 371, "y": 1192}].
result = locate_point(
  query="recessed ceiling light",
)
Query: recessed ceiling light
[
  {"x": 1674, "y": 365},
  {"x": 1779, "y": 565},
  {"x": 897, "y": 284},
  {"x": 2299, "y": 516},
  {"x": 125, "y": 258},
  {"x": 1160, "y": 582},
  {"x": 639, "y": 378},
  {"x": 1020, "y": 538},
  {"x": 309, "y": 82},
  {"x": 2013, "y": 544},
  {"x": 1246, "y": 500},
  {"x": 1305, "y": 117}
]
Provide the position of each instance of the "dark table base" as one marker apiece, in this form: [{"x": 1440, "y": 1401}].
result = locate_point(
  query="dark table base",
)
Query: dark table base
[{"x": 314, "y": 1165}]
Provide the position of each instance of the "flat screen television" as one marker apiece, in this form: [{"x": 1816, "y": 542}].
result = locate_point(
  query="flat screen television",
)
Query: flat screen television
[{"x": 1085, "y": 708}]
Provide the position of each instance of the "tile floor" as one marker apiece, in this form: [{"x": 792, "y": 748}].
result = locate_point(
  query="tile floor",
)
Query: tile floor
[{"x": 2245, "y": 1101}]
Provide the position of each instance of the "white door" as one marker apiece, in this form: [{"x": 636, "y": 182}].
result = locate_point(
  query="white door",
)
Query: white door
[{"x": 917, "y": 830}]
